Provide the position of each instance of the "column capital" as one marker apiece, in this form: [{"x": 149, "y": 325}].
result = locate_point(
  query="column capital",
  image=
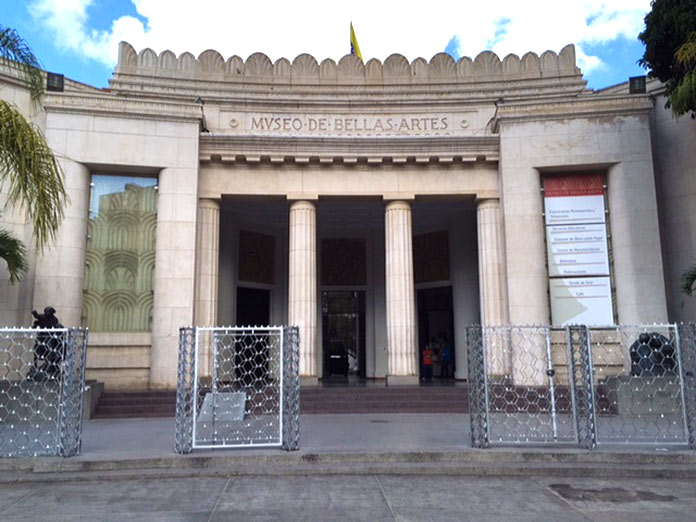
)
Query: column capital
[
  {"x": 302, "y": 204},
  {"x": 398, "y": 204},
  {"x": 210, "y": 203},
  {"x": 488, "y": 203}
]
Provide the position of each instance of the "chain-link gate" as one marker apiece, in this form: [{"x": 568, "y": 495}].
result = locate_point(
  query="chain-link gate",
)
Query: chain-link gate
[
  {"x": 238, "y": 388},
  {"x": 584, "y": 386},
  {"x": 42, "y": 377},
  {"x": 638, "y": 385},
  {"x": 523, "y": 375}
]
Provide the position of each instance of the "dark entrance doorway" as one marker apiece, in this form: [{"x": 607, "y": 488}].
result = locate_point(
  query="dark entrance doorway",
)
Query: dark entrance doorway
[
  {"x": 251, "y": 357},
  {"x": 253, "y": 307},
  {"x": 436, "y": 327},
  {"x": 343, "y": 333}
]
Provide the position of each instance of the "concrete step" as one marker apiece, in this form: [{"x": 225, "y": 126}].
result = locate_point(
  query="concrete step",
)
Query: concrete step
[
  {"x": 493, "y": 462},
  {"x": 313, "y": 400},
  {"x": 141, "y": 403}
]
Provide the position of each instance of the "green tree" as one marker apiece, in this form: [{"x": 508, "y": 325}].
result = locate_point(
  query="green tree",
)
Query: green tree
[
  {"x": 29, "y": 173},
  {"x": 670, "y": 51},
  {"x": 670, "y": 55}
]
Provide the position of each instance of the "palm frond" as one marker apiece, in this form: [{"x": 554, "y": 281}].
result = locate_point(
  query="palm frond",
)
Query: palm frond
[
  {"x": 15, "y": 49},
  {"x": 683, "y": 96},
  {"x": 13, "y": 252},
  {"x": 31, "y": 173},
  {"x": 688, "y": 280},
  {"x": 686, "y": 53}
]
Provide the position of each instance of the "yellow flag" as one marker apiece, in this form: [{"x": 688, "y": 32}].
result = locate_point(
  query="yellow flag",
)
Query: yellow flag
[{"x": 354, "y": 47}]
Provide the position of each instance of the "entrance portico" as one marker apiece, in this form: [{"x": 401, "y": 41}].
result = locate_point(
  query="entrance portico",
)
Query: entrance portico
[{"x": 303, "y": 252}]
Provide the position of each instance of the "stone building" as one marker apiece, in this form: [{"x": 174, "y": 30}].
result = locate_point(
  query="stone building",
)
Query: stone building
[{"x": 377, "y": 206}]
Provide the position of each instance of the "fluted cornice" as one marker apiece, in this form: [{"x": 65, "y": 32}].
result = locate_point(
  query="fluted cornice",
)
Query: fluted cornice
[
  {"x": 106, "y": 104},
  {"x": 581, "y": 107},
  {"x": 166, "y": 73},
  {"x": 421, "y": 149}
]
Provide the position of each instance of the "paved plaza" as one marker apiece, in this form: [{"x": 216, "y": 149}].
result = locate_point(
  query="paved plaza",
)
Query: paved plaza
[
  {"x": 371, "y": 467},
  {"x": 345, "y": 497}
]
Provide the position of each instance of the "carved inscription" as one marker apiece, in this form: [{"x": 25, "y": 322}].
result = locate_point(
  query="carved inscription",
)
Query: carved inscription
[
  {"x": 349, "y": 125},
  {"x": 325, "y": 124}
]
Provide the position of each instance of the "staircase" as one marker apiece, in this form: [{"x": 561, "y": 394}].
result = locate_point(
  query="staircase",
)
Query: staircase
[
  {"x": 146, "y": 403},
  {"x": 313, "y": 400},
  {"x": 382, "y": 399}
]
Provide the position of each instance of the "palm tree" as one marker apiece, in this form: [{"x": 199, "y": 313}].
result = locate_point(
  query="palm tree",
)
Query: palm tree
[
  {"x": 29, "y": 173},
  {"x": 688, "y": 280}
]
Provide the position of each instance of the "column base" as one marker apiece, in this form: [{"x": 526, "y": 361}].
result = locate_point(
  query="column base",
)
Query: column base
[
  {"x": 309, "y": 380},
  {"x": 402, "y": 380}
]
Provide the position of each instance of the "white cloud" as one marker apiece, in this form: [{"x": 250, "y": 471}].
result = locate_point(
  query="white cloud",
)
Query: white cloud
[{"x": 286, "y": 29}]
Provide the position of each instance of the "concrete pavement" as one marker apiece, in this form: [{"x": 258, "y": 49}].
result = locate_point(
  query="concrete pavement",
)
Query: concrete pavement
[
  {"x": 371, "y": 498},
  {"x": 358, "y": 444}
]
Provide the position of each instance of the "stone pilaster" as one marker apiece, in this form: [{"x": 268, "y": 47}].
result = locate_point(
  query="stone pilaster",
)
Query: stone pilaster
[
  {"x": 175, "y": 271},
  {"x": 401, "y": 296},
  {"x": 493, "y": 292},
  {"x": 60, "y": 269},
  {"x": 208, "y": 256},
  {"x": 302, "y": 283}
]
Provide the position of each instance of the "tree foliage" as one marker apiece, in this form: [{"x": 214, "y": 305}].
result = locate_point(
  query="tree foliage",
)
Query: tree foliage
[
  {"x": 17, "y": 54},
  {"x": 670, "y": 49},
  {"x": 683, "y": 97},
  {"x": 29, "y": 173},
  {"x": 13, "y": 252}
]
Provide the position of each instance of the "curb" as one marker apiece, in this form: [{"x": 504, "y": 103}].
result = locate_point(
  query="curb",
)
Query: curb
[{"x": 496, "y": 462}]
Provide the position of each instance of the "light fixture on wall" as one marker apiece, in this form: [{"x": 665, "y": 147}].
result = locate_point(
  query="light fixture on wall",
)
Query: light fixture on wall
[
  {"x": 54, "y": 82},
  {"x": 204, "y": 126},
  {"x": 636, "y": 85}
]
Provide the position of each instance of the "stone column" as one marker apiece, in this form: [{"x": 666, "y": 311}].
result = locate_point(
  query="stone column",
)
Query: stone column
[
  {"x": 401, "y": 295},
  {"x": 491, "y": 256},
  {"x": 493, "y": 292},
  {"x": 302, "y": 284},
  {"x": 207, "y": 269},
  {"x": 208, "y": 255},
  {"x": 60, "y": 270}
]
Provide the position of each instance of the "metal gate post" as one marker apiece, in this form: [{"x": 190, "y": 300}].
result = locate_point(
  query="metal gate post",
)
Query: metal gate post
[
  {"x": 72, "y": 374},
  {"x": 290, "y": 407},
  {"x": 478, "y": 406},
  {"x": 687, "y": 341},
  {"x": 185, "y": 400},
  {"x": 582, "y": 393}
]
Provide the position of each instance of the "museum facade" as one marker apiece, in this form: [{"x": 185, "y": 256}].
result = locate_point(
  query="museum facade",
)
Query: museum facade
[{"x": 379, "y": 206}]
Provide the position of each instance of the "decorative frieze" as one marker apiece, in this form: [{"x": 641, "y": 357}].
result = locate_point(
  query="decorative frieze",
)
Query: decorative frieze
[
  {"x": 305, "y": 70},
  {"x": 352, "y": 150}
]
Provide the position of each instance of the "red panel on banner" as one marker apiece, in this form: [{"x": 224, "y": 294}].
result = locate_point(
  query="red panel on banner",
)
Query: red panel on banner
[{"x": 573, "y": 185}]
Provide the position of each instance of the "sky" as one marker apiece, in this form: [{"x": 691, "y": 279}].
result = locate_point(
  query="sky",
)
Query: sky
[{"x": 79, "y": 38}]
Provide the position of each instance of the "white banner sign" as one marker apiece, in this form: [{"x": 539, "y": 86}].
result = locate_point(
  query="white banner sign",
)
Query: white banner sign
[
  {"x": 577, "y": 250},
  {"x": 585, "y": 300},
  {"x": 574, "y": 209}
]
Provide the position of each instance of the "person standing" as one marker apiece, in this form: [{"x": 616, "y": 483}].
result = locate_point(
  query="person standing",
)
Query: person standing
[
  {"x": 446, "y": 359},
  {"x": 428, "y": 359}
]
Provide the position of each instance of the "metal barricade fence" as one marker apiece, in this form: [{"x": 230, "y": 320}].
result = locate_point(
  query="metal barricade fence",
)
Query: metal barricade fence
[
  {"x": 237, "y": 388},
  {"x": 637, "y": 384},
  {"x": 582, "y": 386},
  {"x": 42, "y": 377},
  {"x": 522, "y": 372}
]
